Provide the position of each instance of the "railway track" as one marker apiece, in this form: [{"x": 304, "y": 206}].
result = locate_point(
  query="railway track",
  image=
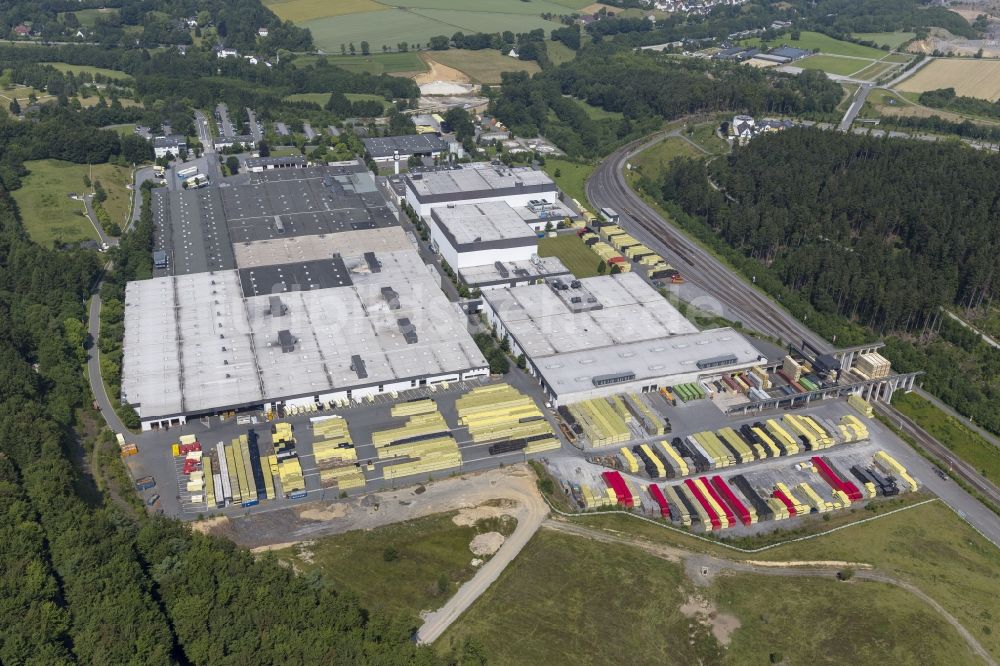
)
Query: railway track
[{"x": 607, "y": 187}]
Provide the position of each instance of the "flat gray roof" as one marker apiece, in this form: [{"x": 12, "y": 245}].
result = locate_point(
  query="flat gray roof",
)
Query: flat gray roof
[
  {"x": 476, "y": 181},
  {"x": 491, "y": 274},
  {"x": 297, "y": 249},
  {"x": 468, "y": 224},
  {"x": 195, "y": 343},
  {"x": 544, "y": 324},
  {"x": 410, "y": 144}
]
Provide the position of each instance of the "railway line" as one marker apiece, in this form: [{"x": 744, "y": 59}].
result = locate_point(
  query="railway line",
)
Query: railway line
[{"x": 607, "y": 187}]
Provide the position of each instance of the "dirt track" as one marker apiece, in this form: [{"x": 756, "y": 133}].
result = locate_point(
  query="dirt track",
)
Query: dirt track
[{"x": 438, "y": 72}]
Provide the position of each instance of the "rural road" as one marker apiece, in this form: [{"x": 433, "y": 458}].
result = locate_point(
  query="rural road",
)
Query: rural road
[
  {"x": 530, "y": 514},
  {"x": 88, "y": 204},
  {"x": 94, "y": 366},
  {"x": 860, "y": 95},
  {"x": 702, "y": 568}
]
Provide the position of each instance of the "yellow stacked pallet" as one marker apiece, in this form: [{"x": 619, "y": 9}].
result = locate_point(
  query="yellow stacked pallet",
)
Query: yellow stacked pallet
[
  {"x": 241, "y": 471},
  {"x": 860, "y": 404},
  {"x": 610, "y": 230},
  {"x": 281, "y": 432},
  {"x": 332, "y": 441},
  {"x": 769, "y": 444},
  {"x": 678, "y": 461},
  {"x": 800, "y": 430},
  {"x": 650, "y": 419},
  {"x": 501, "y": 412},
  {"x": 799, "y": 506},
  {"x": 651, "y": 260},
  {"x": 600, "y": 423},
  {"x": 612, "y": 497},
  {"x": 209, "y": 485},
  {"x": 345, "y": 478},
  {"x": 290, "y": 474},
  {"x": 791, "y": 444},
  {"x": 424, "y": 406},
  {"x": 631, "y": 464},
  {"x": 539, "y": 445},
  {"x": 587, "y": 237},
  {"x": 778, "y": 508},
  {"x": 889, "y": 465},
  {"x": 232, "y": 466},
  {"x": 589, "y": 500},
  {"x": 736, "y": 442},
  {"x": 437, "y": 444},
  {"x": 621, "y": 409},
  {"x": 716, "y": 507},
  {"x": 636, "y": 252},
  {"x": 416, "y": 426},
  {"x": 855, "y": 424},
  {"x": 622, "y": 242},
  {"x": 813, "y": 499},
  {"x": 248, "y": 468},
  {"x": 717, "y": 458},
  {"x": 724, "y": 453},
  {"x": 824, "y": 437},
  {"x": 765, "y": 380},
  {"x": 657, "y": 463},
  {"x": 429, "y": 455},
  {"x": 268, "y": 480}
]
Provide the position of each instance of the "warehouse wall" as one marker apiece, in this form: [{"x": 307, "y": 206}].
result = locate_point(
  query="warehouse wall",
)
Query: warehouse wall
[{"x": 513, "y": 200}]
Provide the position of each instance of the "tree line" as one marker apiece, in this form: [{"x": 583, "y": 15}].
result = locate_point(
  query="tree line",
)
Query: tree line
[{"x": 865, "y": 238}]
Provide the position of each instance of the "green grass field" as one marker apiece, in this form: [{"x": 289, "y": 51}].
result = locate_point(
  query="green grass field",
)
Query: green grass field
[
  {"x": 833, "y": 64},
  {"x": 578, "y": 258},
  {"x": 285, "y": 151},
  {"x": 48, "y": 212},
  {"x": 88, "y": 17},
  {"x": 377, "y": 63},
  {"x": 597, "y": 113},
  {"x": 928, "y": 546},
  {"x": 571, "y": 178},
  {"x": 425, "y": 550},
  {"x": 483, "y": 66},
  {"x": 967, "y": 444},
  {"x": 568, "y": 599},
  {"x": 659, "y": 157},
  {"x": 86, "y": 69},
  {"x": 892, "y": 39},
  {"x": 559, "y": 52},
  {"x": 314, "y": 97},
  {"x": 412, "y": 21},
  {"x": 816, "y": 40},
  {"x": 874, "y": 70}
]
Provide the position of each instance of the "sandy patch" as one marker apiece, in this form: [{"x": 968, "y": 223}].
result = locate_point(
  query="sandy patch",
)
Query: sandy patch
[
  {"x": 437, "y": 72},
  {"x": 274, "y": 546},
  {"x": 811, "y": 563},
  {"x": 722, "y": 625},
  {"x": 206, "y": 526},
  {"x": 329, "y": 513},
  {"x": 470, "y": 516},
  {"x": 486, "y": 544}
]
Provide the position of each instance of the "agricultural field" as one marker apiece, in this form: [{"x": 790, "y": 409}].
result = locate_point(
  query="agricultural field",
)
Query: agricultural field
[
  {"x": 874, "y": 71},
  {"x": 413, "y": 21},
  {"x": 572, "y": 177},
  {"x": 969, "y": 78},
  {"x": 48, "y": 212},
  {"x": 967, "y": 445},
  {"x": 88, "y": 17},
  {"x": 832, "y": 64},
  {"x": 483, "y": 66},
  {"x": 910, "y": 545},
  {"x": 657, "y": 158},
  {"x": 578, "y": 258},
  {"x": 811, "y": 41},
  {"x": 890, "y": 39},
  {"x": 86, "y": 69},
  {"x": 622, "y": 600},
  {"x": 406, "y": 63},
  {"x": 402, "y": 568}
]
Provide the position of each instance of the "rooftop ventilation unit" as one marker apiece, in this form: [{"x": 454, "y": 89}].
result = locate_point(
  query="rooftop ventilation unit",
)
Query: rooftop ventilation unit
[
  {"x": 276, "y": 307},
  {"x": 374, "y": 265},
  {"x": 408, "y": 330},
  {"x": 501, "y": 269},
  {"x": 287, "y": 341},
  {"x": 391, "y": 297},
  {"x": 358, "y": 366}
]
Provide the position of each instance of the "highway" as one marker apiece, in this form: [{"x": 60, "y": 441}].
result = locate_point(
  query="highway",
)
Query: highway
[
  {"x": 740, "y": 301},
  {"x": 860, "y": 95}
]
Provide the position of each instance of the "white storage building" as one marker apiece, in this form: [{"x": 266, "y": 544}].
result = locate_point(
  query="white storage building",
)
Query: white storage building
[
  {"x": 483, "y": 233},
  {"x": 480, "y": 182}
]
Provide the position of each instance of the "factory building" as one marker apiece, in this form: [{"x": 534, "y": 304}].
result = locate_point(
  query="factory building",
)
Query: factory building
[
  {"x": 295, "y": 287},
  {"x": 483, "y": 233},
  {"x": 169, "y": 145},
  {"x": 480, "y": 182},
  {"x": 259, "y": 164},
  {"x": 386, "y": 149},
  {"x": 606, "y": 335}
]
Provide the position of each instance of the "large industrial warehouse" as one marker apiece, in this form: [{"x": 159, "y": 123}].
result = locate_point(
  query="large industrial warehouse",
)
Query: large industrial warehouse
[
  {"x": 477, "y": 183},
  {"x": 483, "y": 233},
  {"x": 296, "y": 287},
  {"x": 608, "y": 335}
]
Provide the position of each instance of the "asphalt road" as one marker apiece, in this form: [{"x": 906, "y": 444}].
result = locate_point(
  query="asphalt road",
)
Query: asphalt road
[
  {"x": 204, "y": 132},
  {"x": 88, "y": 204},
  {"x": 94, "y": 367},
  {"x": 740, "y": 301},
  {"x": 855, "y": 108}
]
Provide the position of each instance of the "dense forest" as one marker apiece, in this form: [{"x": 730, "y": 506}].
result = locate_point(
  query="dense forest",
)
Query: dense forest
[
  {"x": 867, "y": 232},
  {"x": 646, "y": 89},
  {"x": 945, "y": 98}
]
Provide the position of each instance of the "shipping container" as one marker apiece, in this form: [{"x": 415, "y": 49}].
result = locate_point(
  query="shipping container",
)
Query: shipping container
[{"x": 145, "y": 483}]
